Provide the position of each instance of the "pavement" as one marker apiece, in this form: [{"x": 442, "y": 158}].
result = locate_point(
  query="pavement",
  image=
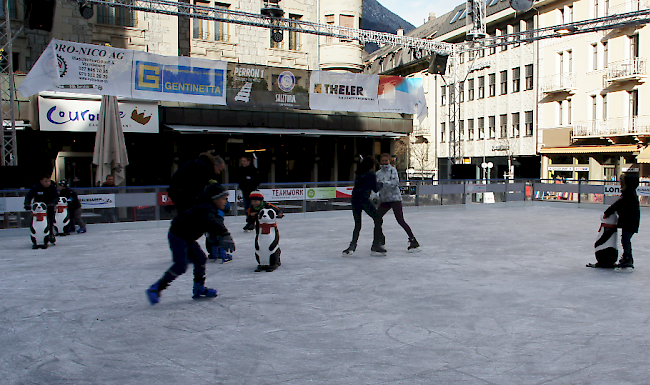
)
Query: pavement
[{"x": 499, "y": 294}]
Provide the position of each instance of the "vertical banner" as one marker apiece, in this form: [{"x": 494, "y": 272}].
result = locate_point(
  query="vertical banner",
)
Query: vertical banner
[
  {"x": 403, "y": 95},
  {"x": 184, "y": 79},
  {"x": 331, "y": 91},
  {"x": 261, "y": 86}
]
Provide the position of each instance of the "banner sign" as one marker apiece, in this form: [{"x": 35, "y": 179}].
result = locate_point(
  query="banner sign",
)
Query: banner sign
[
  {"x": 83, "y": 115},
  {"x": 400, "y": 94},
  {"x": 332, "y": 91},
  {"x": 97, "y": 201},
  {"x": 100, "y": 70},
  {"x": 321, "y": 193},
  {"x": 344, "y": 192},
  {"x": 178, "y": 78},
  {"x": 261, "y": 86}
]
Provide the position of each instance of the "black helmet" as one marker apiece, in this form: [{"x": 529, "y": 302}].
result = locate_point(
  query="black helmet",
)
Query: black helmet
[{"x": 215, "y": 191}]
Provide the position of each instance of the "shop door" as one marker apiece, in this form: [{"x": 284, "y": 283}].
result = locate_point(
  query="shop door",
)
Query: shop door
[{"x": 609, "y": 173}]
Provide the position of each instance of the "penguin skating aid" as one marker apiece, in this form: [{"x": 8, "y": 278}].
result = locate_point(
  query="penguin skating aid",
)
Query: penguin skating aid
[{"x": 40, "y": 227}]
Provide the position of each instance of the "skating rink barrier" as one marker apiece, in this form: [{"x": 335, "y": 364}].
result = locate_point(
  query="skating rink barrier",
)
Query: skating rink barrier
[{"x": 151, "y": 203}]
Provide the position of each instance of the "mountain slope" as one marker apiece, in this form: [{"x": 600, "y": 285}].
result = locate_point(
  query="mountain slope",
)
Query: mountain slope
[{"x": 378, "y": 18}]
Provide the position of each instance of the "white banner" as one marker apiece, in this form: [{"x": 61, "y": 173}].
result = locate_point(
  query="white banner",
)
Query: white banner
[
  {"x": 97, "y": 201},
  {"x": 283, "y": 194},
  {"x": 174, "y": 78},
  {"x": 332, "y": 91},
  {"x": 83, "y": 115},
  {"x": 99, "y": 70}
]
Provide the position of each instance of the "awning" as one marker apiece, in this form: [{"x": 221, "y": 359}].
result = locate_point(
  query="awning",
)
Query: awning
[
  {"x": 590, "y": 149},
  {"x": 282, "y": 131},
  {"x": 644, "y": 156}
]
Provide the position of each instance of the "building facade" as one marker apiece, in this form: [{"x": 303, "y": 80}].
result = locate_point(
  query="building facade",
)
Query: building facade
[
  {"x": 483, "y": 110},
  {"x": 592, "y": 122},
  {"x": 328, "y": 152}
]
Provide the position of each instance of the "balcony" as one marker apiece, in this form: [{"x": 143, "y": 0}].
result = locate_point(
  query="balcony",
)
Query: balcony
[
  {"x": 558, "y": 83},
  {"x": 635, "y": 125},
  {"x": 626, "y": 70}
]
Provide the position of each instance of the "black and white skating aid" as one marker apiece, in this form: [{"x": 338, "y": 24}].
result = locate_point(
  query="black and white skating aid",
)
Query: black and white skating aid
[
  {"x": 267, "y": 241},
  {"x": 40, "y": 228},
  {"x": 61, "y": 217},
  {"x": 606, "y": 243}
]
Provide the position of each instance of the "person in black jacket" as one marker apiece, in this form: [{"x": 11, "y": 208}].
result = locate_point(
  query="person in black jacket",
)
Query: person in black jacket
[
  {"x": 248, "y": 179},
  {"x": 365, "y": 181},
  {"x": 189, "y": 181},
  {"x": 185, "y": 229},
  {"x": 44, "y": 191},
  {"x": 74, "y": 207},
  {"x": 629, "y": 216}
]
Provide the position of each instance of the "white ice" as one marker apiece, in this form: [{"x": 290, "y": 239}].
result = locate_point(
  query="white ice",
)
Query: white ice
[{"x": 499, "y": 294}]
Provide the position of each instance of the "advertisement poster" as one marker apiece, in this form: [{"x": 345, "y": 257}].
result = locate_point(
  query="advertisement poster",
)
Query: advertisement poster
[
  {"x": 400, "y": 94},
  {"x": 97, "y": 201},
  {"x": 177, "y": 78},
  {"x": 260, "y": 86},
  {"x": 331, "y": 91},
  {"x": 83, "y": 115},
  {"x": 321, "y": 193}
]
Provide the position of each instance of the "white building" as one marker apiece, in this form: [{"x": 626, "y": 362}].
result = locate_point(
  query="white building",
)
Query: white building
[{"x": 592, "y": 90}]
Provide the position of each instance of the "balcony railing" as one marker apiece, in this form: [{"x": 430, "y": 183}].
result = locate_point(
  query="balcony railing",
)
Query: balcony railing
[
  {"x": 630, "y": 69},
  {"x": 558, "y": 83},
  {"x": 617, "y": 126}
]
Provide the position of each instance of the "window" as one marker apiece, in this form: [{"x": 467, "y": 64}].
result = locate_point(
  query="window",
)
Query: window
[
  {"x": 561, "y": 16},
  {"x": 118, "y": 16},
  {"x": 606, "y": 11},
  {"x": 595, "y": 9},
  {"x": 605, "y": 107},
  {"x": 492, "y": 85},
  {"x": 570, "y": 14},
  {"x": 481, "y": 53},
  {"x": 570, "y": 57},
  {"x": 516, "y": 28},
  {"x": 529, "y": 77},
  {"x": 470, "y": 89},
  {"x": 470, "y": 129},
  {"x": 515, "y": 79},
  {"x": 504, "y": 82},
  {"x": 329, "y": 20},
  {"x": 221, "y": 30},
  {"x": 493, "y": 50},
  {"x": 634, "y": 103},
  {"x": 559, "y": 103},
  {"x": 594, "y": 55},
  {"x": 461, "y": 129},
  {"x": 529, "y": 123},
  {"x": 461, "y": 91},
  {"x": 605, "y": 55},
  {"x": 443, "y": 95},
  {"x": 515, "y": 125},
  {"x": 503, "y": 120},
  {"x": 462, "y": 57},
  {"x": 568, "y": 111},
  {"x": 594, "y": 108},
  {"x": 348, "y": 22},
  {"x": 294, "y": 37},
  {"x": 505, "y": 46},
  {"x": 201, "y": 28},
  {"x": 481, "y": 128},
  {"x": 481, "y": 87},
  {"x": 492, "y": 121},
  {"x": 442, "y": 132},
  {"x": 456, "y": 16},
  {"x": 634, "y": 46},
  {"x": 561, "y": 61}
]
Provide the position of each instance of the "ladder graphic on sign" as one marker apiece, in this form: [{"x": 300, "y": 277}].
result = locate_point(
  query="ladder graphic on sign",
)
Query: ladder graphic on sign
[{"x": 244, "y": 94}]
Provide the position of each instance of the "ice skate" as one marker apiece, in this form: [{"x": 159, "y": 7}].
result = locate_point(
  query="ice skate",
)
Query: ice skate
[
  {"x": 377, "y": 250},
  {"x": 153, "y": 294},
  {"x": 226, "y": 258},
  {"x": 414, "y": 246},
  {"x": 625, "y": 262},
  {"x": 81, "y": 230},
  {"x": 350, "y": 250},
  {"x": 200, "y": 291}
]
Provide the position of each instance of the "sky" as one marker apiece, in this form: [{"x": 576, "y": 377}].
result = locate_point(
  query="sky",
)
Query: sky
[{"x": 417, "y": 11}]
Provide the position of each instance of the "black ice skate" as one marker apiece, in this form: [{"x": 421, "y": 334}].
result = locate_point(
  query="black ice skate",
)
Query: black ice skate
[
  {"x": 625, "y": 262},
  {"x": 350, "y": 250},
  {"x": 377, "y": 250},
  {"x": 413, "y": 245}
]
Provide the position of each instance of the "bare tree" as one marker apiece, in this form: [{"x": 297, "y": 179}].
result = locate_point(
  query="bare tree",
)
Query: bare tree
[{"x": 421, "y": 161}]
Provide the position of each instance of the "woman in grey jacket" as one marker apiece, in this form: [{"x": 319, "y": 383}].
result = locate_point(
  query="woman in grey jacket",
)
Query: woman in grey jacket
[{"x": 390, "y": 197}]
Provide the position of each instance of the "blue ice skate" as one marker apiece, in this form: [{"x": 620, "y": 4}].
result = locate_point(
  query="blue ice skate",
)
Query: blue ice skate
[
  {"x": 200, "y": 291},
  {"x": 153, "y": 294}
]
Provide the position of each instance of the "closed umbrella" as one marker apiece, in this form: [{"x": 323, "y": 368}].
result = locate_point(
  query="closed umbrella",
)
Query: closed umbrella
[{"x": 110, "y": 149}]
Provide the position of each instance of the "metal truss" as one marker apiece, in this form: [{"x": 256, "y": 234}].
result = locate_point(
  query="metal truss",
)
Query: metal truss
[
  {"x": 8, "y": 149},
  {"x": 194, "y": 11}
]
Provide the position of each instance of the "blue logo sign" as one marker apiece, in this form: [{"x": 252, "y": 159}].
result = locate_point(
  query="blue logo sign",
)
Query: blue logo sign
[
  {"x": 286, "y": 81},
  {"x": 178, "y": 79}
]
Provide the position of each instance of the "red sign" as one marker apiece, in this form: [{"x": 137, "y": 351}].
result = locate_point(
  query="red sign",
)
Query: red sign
[{"x": 164, "y": 199}]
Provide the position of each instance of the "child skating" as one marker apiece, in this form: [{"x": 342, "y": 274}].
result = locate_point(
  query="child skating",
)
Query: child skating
[
  {"x": 629, "y": 215},
  {"x": 185, "y": 229}
]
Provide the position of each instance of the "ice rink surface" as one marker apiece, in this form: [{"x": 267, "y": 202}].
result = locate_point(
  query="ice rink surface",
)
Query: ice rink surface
[{"x": 498, "y": 295}]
